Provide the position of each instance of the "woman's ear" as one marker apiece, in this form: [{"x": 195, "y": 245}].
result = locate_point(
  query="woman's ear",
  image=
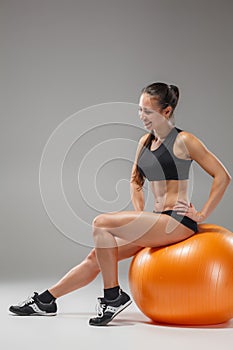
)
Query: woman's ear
[{"x": 167, "y": 112}]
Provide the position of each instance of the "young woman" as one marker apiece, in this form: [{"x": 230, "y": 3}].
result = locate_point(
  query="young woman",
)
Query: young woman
[{"x": 163, "y": 157}]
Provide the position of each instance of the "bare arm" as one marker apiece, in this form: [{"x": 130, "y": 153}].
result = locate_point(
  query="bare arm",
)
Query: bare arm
[
  {"x": 137, "y": 197},
  {"x": 212, "y": 165}
]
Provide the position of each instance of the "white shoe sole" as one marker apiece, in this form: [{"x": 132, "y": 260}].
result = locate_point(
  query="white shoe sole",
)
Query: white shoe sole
[
  {"x": 122, "y": 308},
  {"x": 34, "y": 314}
]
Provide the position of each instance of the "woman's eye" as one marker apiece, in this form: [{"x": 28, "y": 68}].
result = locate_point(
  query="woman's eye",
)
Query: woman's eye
[{"x": 146, "y": 112}]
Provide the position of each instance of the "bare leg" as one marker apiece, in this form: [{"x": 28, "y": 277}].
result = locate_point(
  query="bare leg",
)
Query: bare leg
[
  {"x": 82, "y": 274},
  {"x": 77, "y": 277},
  {"x": 107, "y": 256},
  {"x": 143, "y": 228}
]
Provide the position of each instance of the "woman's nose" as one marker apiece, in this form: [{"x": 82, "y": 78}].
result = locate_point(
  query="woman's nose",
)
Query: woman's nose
[{"x": 141, "y": 115}]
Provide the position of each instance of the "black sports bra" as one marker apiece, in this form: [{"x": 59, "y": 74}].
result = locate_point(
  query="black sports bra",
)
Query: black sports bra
[{"x": 162, "y": 164}]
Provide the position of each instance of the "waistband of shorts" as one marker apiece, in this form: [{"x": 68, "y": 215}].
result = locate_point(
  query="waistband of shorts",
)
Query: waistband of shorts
[{"x": 185, "y": 220}]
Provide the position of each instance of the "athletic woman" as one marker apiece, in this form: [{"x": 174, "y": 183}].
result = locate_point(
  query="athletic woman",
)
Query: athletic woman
[{"x": 163, "y": 157}]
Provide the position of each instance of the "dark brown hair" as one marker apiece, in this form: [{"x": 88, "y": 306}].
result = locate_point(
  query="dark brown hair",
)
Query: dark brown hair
[{"x": 165, "y": 95}]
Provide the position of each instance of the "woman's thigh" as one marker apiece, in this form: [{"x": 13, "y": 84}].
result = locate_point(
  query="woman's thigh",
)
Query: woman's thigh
[{"x": 144, "y": 229}]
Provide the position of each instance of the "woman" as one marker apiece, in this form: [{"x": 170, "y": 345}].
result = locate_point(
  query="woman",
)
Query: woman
[{"x": 163, "y": 157}]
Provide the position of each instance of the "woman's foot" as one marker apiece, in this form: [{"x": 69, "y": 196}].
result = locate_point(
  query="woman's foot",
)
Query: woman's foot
[
  {"x": 33, "y": 306},
  {"x": 108, "y": 309}
]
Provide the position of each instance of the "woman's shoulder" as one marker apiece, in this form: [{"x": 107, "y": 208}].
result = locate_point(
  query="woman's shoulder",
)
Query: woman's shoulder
[
  {"x": 186, "y": 136},
  {"x": 144, "y": 137},
  {"x": 195, "y": 147},
  {"x": 189, "y": 143}
]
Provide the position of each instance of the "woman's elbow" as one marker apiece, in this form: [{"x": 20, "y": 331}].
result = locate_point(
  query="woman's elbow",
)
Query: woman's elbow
[
  {"x": 225, "y": 178},
  {"x": 229, "y": 178},
  {"x": 222, "y": 178}
]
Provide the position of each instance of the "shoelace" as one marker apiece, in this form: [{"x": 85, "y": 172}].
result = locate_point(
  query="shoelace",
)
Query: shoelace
[
  {"x": 29, "y": 300},
  {"x": 100, "y": 308}
]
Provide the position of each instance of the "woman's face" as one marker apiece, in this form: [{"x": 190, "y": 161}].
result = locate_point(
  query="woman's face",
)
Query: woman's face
[{"x": 151, "y": 114}]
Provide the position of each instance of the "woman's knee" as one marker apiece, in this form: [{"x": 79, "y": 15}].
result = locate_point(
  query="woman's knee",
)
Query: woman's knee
[
  {"x": 100, "y": 232},
  {"x": 99, "y": 221}
]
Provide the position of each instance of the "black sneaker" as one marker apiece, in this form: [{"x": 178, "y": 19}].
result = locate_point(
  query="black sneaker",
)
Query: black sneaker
[
  {"x": 33, "y": 306},
  {"x": 108, "y": 309}
]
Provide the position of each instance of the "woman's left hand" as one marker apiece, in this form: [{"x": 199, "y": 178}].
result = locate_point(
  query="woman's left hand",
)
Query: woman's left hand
[{"x": 183, "y": 209}]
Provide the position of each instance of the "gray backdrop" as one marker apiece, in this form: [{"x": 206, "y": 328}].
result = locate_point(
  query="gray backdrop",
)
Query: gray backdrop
[{"x": 60, "y": 57}]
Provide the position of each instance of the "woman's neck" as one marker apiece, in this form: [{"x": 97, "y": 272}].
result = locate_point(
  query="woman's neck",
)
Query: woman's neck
[{"x": 161, "y": 133}]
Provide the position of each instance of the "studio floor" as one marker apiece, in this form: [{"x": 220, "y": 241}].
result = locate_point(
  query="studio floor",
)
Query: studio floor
[{"x": 70, "y": 328}]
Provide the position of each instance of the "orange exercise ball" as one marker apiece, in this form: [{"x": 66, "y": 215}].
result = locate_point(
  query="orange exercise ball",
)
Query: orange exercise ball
[{"x": 190, "y": 282}]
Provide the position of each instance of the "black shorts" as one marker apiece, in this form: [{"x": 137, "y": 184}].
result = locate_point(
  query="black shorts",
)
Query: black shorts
[{"x": 185, "y": 220}]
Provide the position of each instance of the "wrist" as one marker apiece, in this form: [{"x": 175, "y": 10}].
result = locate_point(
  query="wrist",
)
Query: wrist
[{"x": 200, "y": 216}]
